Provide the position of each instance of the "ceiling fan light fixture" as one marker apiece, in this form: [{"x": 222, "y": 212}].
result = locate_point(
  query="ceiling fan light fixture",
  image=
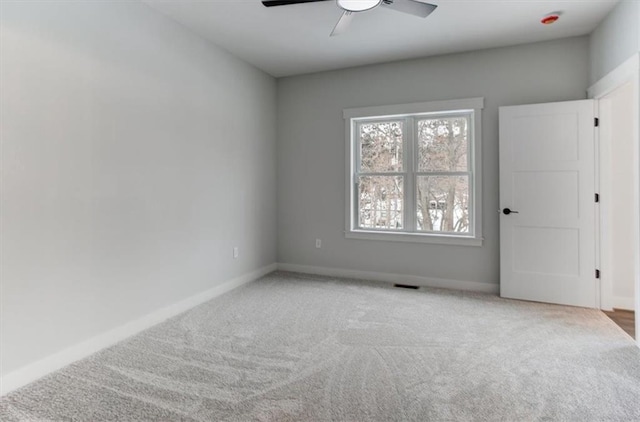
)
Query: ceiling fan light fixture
[{"x": 358, "y": 5}]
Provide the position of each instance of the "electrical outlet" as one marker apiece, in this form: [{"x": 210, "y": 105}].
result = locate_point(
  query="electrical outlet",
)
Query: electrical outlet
[
  {"x": 318, "y": 243},
  {"x": 236, "y": 252}
]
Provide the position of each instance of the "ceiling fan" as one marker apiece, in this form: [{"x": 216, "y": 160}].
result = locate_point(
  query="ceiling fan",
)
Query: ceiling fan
[{"x": 350, "y": 7}]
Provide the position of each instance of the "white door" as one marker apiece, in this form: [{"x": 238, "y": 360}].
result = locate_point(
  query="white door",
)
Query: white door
[{"x": 547, "y": 204}]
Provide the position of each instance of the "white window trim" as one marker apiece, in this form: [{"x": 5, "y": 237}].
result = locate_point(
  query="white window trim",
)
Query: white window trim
[{"x": 399, "y": 110}]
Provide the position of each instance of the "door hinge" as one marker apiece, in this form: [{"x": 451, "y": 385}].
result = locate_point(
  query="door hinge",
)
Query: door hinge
[
  {"x": 597, "y": 273},
  {"x": 596, "y": 122},
  {"x": 597, "y": 198}
]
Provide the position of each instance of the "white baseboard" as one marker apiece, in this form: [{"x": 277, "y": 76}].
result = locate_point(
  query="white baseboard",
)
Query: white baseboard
[
  {"x": 394, "y": 278},
  {"x": 38, "y": 369},
  {"x": 622, "y": 302}
]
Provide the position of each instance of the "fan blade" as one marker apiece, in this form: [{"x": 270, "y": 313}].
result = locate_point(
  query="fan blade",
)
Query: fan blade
[
  {"x": 343, "y": 23},
  {"x": 270, "y": 3},
  {"x": 412, "y": 7}
]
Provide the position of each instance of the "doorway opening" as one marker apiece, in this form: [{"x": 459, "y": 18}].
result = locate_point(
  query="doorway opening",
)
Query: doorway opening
[{"x": 618, "y": 174}]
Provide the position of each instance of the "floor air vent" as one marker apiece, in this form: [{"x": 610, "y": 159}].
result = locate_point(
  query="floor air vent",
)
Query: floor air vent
[{"x": 405, "y": 286}]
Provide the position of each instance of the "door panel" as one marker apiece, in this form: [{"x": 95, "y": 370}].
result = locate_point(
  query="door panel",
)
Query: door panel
[
  {"x": 559, "y": 257},
  {"x": 536, "y": 138},
  {"x": 547, "y": 246},
  {"x": 562, "y": 188}
]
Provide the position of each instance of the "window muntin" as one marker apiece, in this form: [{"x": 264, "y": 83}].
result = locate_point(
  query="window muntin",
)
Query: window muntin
[{"x": 413, "y": 174}]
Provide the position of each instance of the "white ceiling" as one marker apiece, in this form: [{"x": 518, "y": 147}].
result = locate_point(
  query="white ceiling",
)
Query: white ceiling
[{"x": 289, "y": 40}]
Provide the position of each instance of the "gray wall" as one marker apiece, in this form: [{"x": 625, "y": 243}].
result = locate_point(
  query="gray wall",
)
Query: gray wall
[
  {"x": 135, "y": 155},
  {"x": 616, "y": 39},
  {"x": 311, "y": 148}
]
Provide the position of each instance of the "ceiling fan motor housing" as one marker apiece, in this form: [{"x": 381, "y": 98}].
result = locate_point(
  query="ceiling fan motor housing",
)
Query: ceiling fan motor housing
[{"x": 358, "y": 5}]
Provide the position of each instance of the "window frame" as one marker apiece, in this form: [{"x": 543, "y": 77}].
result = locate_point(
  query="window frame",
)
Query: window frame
[{"x": 410, "y": 114}]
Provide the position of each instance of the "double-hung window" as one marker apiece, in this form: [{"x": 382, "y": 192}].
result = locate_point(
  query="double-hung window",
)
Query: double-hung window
[{"x": 414, "y": 172}]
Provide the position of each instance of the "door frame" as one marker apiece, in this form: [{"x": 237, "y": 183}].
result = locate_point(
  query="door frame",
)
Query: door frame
[{"x": 628, "y": 71}]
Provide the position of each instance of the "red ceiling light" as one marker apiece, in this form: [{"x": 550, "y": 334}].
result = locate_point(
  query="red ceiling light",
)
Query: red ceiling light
[{"x": 550, "y": 18}]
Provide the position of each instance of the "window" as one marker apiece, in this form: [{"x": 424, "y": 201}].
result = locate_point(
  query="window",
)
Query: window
[{"x": 414, "y": 172}]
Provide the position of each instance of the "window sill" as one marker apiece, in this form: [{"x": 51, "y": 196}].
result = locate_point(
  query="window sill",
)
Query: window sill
[{"x": 438, "y": 239}]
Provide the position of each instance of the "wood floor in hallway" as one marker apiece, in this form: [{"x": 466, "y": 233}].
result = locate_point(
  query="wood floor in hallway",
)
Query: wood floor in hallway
[{"x": 625, "y": 319}]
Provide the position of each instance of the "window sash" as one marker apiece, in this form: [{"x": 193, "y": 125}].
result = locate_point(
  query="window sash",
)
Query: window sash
[
  {"x": 358, "y": 143},
  {"x": 359, "y": 208},
  {"x": 470, "y": 205},
  {"x": 468, "y": 115}
]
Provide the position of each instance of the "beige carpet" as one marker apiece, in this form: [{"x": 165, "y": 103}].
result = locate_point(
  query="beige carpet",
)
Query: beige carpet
[{"x": 298, "y": 348}]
